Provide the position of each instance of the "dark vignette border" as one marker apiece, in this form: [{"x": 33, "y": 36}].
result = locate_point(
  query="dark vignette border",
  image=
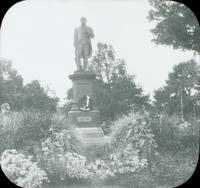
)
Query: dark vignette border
[{"x": 192, "y": 4}]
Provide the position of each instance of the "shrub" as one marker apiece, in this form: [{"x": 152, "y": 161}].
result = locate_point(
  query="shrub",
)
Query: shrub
[
  {"x": 127, "y": 161},
  {"x": 63, "y": 161},
  {"x": 165, "y": 129},
  {"x": 132, "y": 135},
  {"x": 23, "y": 130},
  {"x": 9, "y": 122},
  {"x": 34, "y": 127},
  {"x": 173, "y": 170},
  {"x": 173, "y": 135},
  {"x": 178, "y": 143},
  {"x": 133, "y": 145},
  {"x": 21, "y": 170},
  {"x": 188, "y": 133},
  {"x": 59, "y": 156},
  {"x": 99, "y": 171}
]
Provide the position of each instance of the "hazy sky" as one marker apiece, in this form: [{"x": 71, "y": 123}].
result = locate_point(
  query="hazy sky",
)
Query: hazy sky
[{"x": 37, "y": 36}]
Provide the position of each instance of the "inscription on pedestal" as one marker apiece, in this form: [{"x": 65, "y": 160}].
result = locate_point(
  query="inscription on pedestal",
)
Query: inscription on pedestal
[
  {"x": 83, "y": 89},
  {"x": 84, "y": 119}
]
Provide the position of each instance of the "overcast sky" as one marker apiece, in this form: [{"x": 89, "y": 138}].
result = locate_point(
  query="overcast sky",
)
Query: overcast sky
[{"x": 37, "y": 36}]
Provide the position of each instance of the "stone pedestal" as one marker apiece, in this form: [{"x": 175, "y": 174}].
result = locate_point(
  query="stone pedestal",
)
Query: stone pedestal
[
  {"x": 87, "y": 123},
  {"x": 82, "y": 84}
]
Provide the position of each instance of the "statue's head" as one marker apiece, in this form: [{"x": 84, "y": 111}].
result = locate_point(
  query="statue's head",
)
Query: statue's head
[{"x": 83, "y": 20}]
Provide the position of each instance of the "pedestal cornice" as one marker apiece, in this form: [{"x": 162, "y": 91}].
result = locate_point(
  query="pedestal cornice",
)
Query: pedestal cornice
[{"x": 82, "y": 76}]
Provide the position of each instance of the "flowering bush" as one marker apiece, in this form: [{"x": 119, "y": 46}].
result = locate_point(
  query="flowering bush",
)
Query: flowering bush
[
  {"x": 133, "y": 128},
  {"x": 76, "y": 166},
  {"x": 21, "y": 170},
  {"x": 132, "y": 141},
  {"x": 99, "y": 169},
  {"x": 59, "y": 156},
  {"x": 132, "y": 145},
  {"x": 127, "y": 161},
  {"x": 62, "y": 161}
]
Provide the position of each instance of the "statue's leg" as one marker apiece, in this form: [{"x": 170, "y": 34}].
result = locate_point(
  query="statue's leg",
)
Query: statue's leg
[
  {"x": 78, "y": 63},
  {"x": 85, "y": 59},
  {"x": 78, "y": 59},
  {"x": 85, "y": 62}
]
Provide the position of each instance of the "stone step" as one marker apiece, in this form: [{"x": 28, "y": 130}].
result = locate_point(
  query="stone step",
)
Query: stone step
[
  {"x": 90, "y": 132},
  {"x": 85, "y": 129},
  {"x": 97, "y": 140},
  {"x": 92, "y": 135}
]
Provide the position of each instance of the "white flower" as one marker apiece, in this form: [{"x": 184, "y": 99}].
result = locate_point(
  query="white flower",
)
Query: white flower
[{"x": 22, "y": 170}]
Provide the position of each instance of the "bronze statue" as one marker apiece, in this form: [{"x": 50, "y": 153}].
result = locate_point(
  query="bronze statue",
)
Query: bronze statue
[{"x": 82, "y": 44}]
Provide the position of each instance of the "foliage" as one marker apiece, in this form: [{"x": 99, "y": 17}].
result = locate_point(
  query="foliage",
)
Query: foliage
[
  {"x": 68, "y": 104},
  {"x": 133, "y": 142},
  {"x": 20, "y": 96},
  {"x": 35, "y": 97},
  {"x": 9, "y": 122},
  {"x": 34, "y": 127},
  {"x": 183, "y": 83},
  {"x": 21, "y": 170},
  {"x": 132, "y": 129},
  {"x": 176, "y": 25},
  {"x": 115, "y": 90},
  {"x": 24, "y": 130},
  {"x": 173, "y": 170},
  {"x": 11, "y": 85},
  {"x": 132, "y": 146},
  {"x": 127, "y": 161},
  {"x": 179, "y": 135},
  {"x": 164, "y": 144},
  {"x": 104, "y": 63},
  {"x": 147, "y": 150},
  {"x": 178, "y": 149},
  {"x": 59, "y": 156}
]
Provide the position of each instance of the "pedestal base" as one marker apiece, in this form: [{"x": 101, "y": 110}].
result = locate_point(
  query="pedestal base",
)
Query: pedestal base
[
  {"x": 92, "y": 136},
  {"x": 84, "y": 119}
]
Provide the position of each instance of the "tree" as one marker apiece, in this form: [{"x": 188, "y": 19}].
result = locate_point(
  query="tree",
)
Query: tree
[
  {"x": 115, "y": 90},
  {"x": 176, "y": 25},
  {"x": 35, "y": 97},
  {"x": 11, "y": 85},
  {"x": 13, "y": 91},
  {"x": 181, "y": 93}
]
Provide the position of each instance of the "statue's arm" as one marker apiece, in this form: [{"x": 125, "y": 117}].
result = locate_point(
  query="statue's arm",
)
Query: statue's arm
[{"x": 91, "y": 33}]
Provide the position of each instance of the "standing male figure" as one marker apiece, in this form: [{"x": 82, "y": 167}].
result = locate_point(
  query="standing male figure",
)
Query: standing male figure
[{"x": 82, "y": 44}]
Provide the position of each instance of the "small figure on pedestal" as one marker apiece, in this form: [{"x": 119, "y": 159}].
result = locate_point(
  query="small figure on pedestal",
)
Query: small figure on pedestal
[
  {"x": 87, "y": 103},
  {"x": 82, "y": 44}
]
